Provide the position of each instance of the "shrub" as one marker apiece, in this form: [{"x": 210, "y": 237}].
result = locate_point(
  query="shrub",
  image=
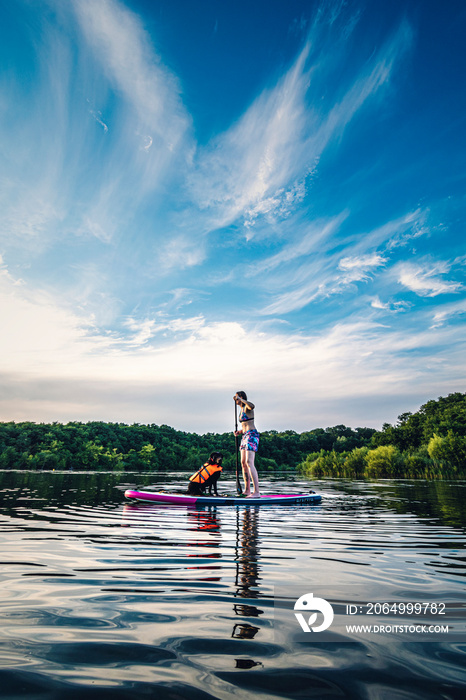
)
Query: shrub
[
  {"x": 355, "y": 462},
  {"x": 383, "y": 462},
  {"x": 448, "y": 450}
]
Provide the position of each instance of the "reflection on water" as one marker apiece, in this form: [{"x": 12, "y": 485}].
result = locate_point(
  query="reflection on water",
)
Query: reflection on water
[
  {"x": 247, "y": 572},
  {"x": 128, "y": 600}
]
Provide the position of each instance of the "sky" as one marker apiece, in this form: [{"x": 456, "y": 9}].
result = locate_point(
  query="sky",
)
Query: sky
[{"x": 200, "y": 197}]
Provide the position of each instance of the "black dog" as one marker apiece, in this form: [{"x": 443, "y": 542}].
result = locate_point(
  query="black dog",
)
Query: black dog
[{"x": 207, "y": 476}]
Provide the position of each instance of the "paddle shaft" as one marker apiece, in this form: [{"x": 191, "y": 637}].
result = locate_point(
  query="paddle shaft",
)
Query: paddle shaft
[{"x": 238, "y": 483}]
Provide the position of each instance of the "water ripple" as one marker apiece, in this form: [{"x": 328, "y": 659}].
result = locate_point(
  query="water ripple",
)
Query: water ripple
[{"x": 116, "y": 599}]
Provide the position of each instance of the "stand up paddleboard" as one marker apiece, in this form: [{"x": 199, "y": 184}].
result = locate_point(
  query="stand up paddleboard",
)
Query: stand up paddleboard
[{"x": 182, "y": 500}]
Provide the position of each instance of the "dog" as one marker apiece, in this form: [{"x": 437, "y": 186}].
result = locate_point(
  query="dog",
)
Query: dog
[{"x": 207, "y": 476}]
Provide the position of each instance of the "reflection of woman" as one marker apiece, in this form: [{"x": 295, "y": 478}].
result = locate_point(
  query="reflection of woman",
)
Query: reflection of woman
[
  {"x": 247, "y": 573},
  {"x": 249, "y": 444}
]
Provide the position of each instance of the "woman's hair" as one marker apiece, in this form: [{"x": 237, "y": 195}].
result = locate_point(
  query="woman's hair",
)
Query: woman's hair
[{"x": 242, "y": 395}]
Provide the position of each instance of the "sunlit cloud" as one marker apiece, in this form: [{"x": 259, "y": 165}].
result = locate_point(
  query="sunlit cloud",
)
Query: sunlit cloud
[
  {"x": 139, "y": 263},
  {"x": 359, "y": 268},
  {"x": 427, "y": 280},
  {"x": 354, "y": 356}
]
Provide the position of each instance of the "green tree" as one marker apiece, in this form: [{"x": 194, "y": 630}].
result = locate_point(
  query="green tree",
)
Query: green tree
[
  {"x": 449, "y": 450},
  {"x": 383, "y": 462},
  {"x": 8, "y": 458},
  {"x": 148, "y": 456},
  {"x": 355, "y": 462}
]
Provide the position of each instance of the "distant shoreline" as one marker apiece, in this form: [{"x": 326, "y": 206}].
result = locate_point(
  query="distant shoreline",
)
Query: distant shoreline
[{"x": 429, "y": 444}]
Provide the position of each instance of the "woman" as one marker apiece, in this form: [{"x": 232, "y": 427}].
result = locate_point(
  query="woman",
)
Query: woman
[{"x": 249, "y": 444}]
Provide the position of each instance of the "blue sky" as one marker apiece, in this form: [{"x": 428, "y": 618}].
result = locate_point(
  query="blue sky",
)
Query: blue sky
[{"x": 201, "y": 197}]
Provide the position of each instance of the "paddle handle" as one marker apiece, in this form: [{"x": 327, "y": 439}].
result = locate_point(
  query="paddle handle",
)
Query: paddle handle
[{"x": 238, "y": 483}]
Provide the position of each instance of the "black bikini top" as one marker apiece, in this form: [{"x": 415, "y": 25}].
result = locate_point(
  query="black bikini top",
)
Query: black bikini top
[{"x": 244, "y": 419}]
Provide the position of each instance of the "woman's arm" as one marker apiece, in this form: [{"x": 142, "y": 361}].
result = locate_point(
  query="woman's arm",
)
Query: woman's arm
[{"x": 247, "y": 404}]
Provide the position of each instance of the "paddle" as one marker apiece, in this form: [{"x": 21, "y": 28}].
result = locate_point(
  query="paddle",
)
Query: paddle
[{"x": 238, "y": 484}]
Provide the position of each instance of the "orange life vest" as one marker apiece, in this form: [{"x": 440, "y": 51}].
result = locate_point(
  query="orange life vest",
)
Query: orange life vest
[{"x": 204, "y": 472}]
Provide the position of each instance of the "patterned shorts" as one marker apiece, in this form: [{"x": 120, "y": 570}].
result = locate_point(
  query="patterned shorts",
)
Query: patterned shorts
[{"x": 250, "y": 441}]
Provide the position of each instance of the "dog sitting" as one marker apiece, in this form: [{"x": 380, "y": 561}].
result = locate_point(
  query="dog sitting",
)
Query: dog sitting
[{"x": 207, "y": 476}]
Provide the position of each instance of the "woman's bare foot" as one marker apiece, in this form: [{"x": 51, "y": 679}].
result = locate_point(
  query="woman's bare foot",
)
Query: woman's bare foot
[{"x": 253, "y": 495}]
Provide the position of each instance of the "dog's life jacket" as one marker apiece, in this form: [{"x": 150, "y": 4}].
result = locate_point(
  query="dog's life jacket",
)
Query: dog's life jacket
[{"x": 201, "y": 476}]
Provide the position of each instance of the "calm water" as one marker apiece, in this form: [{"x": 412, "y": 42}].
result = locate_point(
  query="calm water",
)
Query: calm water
[{"x": 101, "y": 598}]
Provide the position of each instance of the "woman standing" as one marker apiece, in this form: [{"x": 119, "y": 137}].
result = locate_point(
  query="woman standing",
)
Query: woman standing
[{"x": 249, "y": 444}]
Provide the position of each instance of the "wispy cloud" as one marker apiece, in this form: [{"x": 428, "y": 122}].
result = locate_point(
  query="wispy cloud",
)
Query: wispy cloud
[
  {"x": 325, "y": 272},
  {"x": 105, "y": 64},
  {"x": 367, "y": 85},
  {"x": 392, "y": 306},
  {"x": 426, "y": 280},
  {"x": 141, "y": 263},
  {"x": 448, "y": 311},
  {"x": 310, "y": 238},
  {"x": 259, "y": 167},
  {"x": 146, "y": 329},
  {"x": 98, "y": 117},
  {"x": 360, "y": 267},
  {"x": 179, "y": 251},
  {"x": 352, "y": 357},
  {"x": 125, "y": 50},
  {"x": 243, "y": 168}
]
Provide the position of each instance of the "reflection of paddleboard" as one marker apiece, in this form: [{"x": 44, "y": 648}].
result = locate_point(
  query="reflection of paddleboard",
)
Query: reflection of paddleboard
[{"x": 182, "y": 500}]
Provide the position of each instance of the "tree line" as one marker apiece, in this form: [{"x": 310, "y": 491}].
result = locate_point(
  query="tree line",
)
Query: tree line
[
  {"x": 95, "y": 446},
  {"x": 430, "y": 444}
]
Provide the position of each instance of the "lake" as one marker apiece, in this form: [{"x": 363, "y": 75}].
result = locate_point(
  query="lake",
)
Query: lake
[{"x": 102, "y": 598}]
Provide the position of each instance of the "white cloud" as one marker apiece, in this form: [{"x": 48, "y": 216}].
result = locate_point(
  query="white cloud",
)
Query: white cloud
[
  {"x": 147, "y": 142},
  {"x": 309, "y": 239},
  {"x": 120, "y": 41},
  {"x": 358, "y": 268},
  {"x": 325, "y": 273},
  {"x": 395, "y": 306},
  {"x": 101, "y": 356},
  {"x": 377, "y": 304},
  {"x": 56, "y": 353},
  {"x": 143, "y": 330},
  {"x": 182, "y": 296},
  {"x": 5, "y": 277},
  {"x": 259, "y": 166},
  {"x": 378, "y": 74},
  {"x": 390, "y": 235},
  {"x": 179, "y": 251},
  {"x": 146, "y": 329},
  {"x": 362, "y": 262},
  {"x": 425, "y": 280},
  {"x": 245, "y": 169},
  {"x": 98, "y": 117},
  {"x": 281, "y": 204},
  {"x": 447, "y": 311},
  {"x": 41, "y": 337}
]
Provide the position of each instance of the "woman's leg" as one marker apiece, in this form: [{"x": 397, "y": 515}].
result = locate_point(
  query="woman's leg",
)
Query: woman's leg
[
  {"x": 252, "y": 472},
  {"x": 246, "y": 475}
]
